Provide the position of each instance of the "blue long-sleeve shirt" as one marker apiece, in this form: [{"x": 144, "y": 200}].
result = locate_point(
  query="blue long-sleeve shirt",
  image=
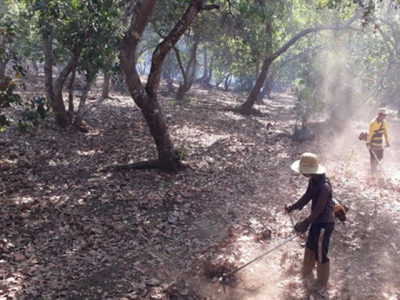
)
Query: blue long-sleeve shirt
[{"x": 319, "y": 191}]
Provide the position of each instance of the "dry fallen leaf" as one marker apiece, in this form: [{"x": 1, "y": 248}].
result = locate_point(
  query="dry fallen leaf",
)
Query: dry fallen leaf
[
  {"x": 122, "y": 234},
  {"x": 19, "y": 257}
]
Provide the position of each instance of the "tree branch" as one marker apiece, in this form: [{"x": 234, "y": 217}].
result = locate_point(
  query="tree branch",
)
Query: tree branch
[
  {"x": 210, "y": 7},
  {"x": 178, "y": 58},
  {"x": 130, "y": 43},
  {"x": 170, "y": 41},
  {"x": 314, "y": 29}
]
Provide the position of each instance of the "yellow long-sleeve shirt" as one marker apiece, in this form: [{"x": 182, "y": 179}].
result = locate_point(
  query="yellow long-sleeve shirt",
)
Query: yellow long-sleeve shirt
[{"x": 376, "y": 132}]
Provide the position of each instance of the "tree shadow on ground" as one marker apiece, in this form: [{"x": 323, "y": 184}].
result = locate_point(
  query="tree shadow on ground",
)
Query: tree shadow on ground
[{"x": 72, "y": 232}]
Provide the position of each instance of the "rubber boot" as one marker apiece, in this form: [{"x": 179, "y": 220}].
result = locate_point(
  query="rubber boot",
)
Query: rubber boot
[
  {"x": 321, "y": 283},
  {"x": 308, "y": 263}
]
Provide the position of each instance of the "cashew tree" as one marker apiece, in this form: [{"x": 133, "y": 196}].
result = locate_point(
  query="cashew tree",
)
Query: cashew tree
[
  {"x": 145, "y": 94},
  {"x": 75, "y": 35},
  {"x": 273, "y": 50}
]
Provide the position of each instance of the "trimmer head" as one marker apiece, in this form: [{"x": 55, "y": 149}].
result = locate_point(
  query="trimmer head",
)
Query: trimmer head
[
  {"x": 224, "y": 279},
  {"x": 227, "y": 279}
]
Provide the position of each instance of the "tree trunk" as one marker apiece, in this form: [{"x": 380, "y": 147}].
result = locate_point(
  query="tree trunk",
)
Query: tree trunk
[
  {"x": 205, "y": 65},
  {"x": 105, "y": 94},
  {"x": 217, "y": 83},
  {"x": 210, "y": 69},
  {"x": 267, "y": 88},
  {"x": 54, "y": 91},
  {"x": 269, "y": 85},
  {"x": 227, "y": 82},
  {"x": 35, "y": 67},
  {"x": 207, "y": 71},
  {"x": 266, "y": 91},
  {"x": 247, "y": 107},
  {"x": 170, "y": 85},
  {"x": 155, "y": 118},
  {"x": 182, "y": 90},
  {"x": 82, "y": 103},
  {"x": 3, "y": 65},
  {"x": 188, "y": 74},
  {"x": 55, "y": 101},
  {"x": 270, "y": 81},
  {"x": 146, "y": 97},
  {"x": 168, "y": 72},
  {"x": 71, "y": 95}
]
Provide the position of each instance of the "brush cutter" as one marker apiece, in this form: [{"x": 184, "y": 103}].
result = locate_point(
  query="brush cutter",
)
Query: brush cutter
[
  {"x": 291, "y": 219},
  {"x": 224, "y": 277},
  {"x": 379, "y": 163},
  {"x": 363, "y": 137}
]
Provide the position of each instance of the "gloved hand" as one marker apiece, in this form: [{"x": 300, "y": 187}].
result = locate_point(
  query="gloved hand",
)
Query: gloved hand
[
  {"x": 367, "y": 144},
  {"x": 288, "y": 208},
  {"x": 301, "y": 226}
]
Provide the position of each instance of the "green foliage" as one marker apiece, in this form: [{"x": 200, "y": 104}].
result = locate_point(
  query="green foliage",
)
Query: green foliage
[
  {"x": 41, "y": 107},
  {"x": 32, "y": 116},
  {"x": 8, "y": 97},
  {"x": 170, "y": 67},
  {"x": 16, "y": 35},
  {"x": 91, "y": 29},
  {"x": 245, "y": 83},
  {"x": 335, "y": 4},
  {"x": 174, "y": 103},
  {"x": 4, "y": 122},
  {"x": 254, "y": 30},
  {"x": 310, "y": 99},
  {"x": 182, "y": 152},
  {"x": 7, "y": 30},
  {"x": 7, "y": 93},
  {"x": 24, "y": 126},
  {"x": 242, "y": 41},
  {"x": 382, "y": 59},
  {"x": 13, "y": 155}
]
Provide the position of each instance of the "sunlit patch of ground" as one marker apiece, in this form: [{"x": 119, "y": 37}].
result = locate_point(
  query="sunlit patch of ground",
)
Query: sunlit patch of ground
[{"x": 364, "y": 250}]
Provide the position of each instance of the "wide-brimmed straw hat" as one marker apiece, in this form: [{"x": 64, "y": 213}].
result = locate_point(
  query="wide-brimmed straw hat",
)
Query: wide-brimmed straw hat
[
  {"x": 383, "y": 111},
  {"x": 308, "y": 164}
]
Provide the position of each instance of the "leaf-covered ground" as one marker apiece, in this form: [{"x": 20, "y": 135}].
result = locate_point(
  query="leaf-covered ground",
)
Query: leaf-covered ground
[{"x": 70, "y": 231}]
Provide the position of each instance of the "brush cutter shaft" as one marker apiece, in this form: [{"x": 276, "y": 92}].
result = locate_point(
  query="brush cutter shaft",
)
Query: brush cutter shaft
[
  {"x": 258, "y": 257},
  {"x": 291, "y": 219},
  {"x": 379, "y": 163}
]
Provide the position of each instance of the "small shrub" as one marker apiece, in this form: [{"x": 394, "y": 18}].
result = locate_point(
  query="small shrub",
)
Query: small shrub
[
  {"x": 24, "y": 127},
  {"x": 182, "y": 152},
  {"x": 37, "y": 111},
  {"x": 8, "y": 97}
]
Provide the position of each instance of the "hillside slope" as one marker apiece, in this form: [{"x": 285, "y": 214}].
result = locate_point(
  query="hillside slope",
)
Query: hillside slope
[{"x": 70, "y": 231}]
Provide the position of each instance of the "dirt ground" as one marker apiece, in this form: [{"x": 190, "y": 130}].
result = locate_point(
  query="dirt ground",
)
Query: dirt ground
[{"x": 70, "y": 231}]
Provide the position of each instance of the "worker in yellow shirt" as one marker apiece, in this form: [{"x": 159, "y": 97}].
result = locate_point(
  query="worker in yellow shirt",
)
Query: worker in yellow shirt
[{"x": 377, "y": 129}]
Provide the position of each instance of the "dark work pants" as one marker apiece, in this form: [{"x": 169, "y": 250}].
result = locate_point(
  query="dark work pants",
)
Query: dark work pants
[{"x": 318, "y": 239}]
